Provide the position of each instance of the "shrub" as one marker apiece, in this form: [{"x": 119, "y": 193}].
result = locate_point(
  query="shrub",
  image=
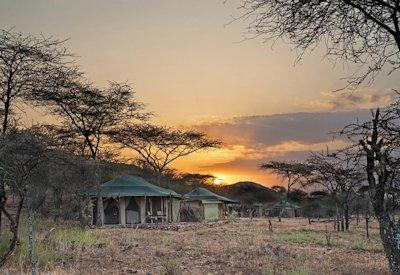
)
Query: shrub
[
  {"x": 171, "y": 267},
  {"x": 360, "y": 244},
  {"x": 187, "y": 214},
  {"x": 50, "y": 247},
  {"x": 296, "y": 271},
  {"x": 302, "y": 236}
]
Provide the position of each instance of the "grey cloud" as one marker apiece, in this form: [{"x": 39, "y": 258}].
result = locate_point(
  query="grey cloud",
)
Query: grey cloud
[
  {"x": 351, "y": 100},
  {"x": 270, "y": 130}
]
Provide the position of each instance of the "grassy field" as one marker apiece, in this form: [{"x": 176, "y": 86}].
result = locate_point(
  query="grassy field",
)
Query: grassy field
[{"x": 236, "y": 247}]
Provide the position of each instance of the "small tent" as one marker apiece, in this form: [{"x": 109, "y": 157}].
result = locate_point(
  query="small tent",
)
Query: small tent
[
  {"x": 286, "y": 209},
  {"x": 133, "y": 200},
  {"x": 206, "y": 204}
]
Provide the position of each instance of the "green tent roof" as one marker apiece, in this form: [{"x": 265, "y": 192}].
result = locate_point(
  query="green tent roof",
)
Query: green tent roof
[
  {"x": 126, "y": 186},
  {"x": 200, "y": 193}
]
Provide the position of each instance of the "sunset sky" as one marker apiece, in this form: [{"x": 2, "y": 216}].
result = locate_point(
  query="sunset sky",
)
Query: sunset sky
[{"x": 193, "y": 68}]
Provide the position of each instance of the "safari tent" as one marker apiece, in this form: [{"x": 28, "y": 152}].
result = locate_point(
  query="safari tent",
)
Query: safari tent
[
  {"x": 207, "y": 205},
  {"x": 285, "y": 209},
  {"x": 133, "y": 200}
]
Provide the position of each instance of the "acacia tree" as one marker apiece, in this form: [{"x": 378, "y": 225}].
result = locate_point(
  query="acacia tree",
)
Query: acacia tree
[
  {"x": 293, "y": 173},
  {"x": 341, "y": 178},
  {"x": 158, "y": 146},
  {"x": 25, "y": 63},
  {"x": 377, "y": 145},
  {"x": 196, "y": 180},
  {"x": 365, "y": 33},
  {"x": 21, "y": 153},
  {"x": 88, "y": 116},
  {"x": 71, "y": 176}
]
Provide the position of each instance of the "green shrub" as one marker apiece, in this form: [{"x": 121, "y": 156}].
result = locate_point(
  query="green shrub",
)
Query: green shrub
[
  {"x": 166, "y": 241},
  {"x": 133, "y": 237},
  {"x": 77, "y": 236},
  {"x": 297, "y": 271},
  {"x": 361, "y": 244},
  {"x": 60, "y": 243},
  {"x": 302, "y": 270},
  {"x": 302, "y": 236},
  {"x": 44, "y": 255},
  {"x": 170, "y": 267}
]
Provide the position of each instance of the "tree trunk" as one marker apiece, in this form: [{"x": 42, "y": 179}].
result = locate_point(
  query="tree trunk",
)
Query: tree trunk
[
  {"x": 14, "y": 227},
  {"x": 82, "y": 211},
  {"x": 337, "y": 219},
  {"x": 346, "y": 217},
  {"x": 378, "y": 179},
  {"x": 367, "y": 225},
  {"x": 280, "y": 214},
  {"x": 390, "y": 235},
  {"x": 100, "y": 208},
  {"x": 3, "y": 197},
  {"x": 358, "y": 216},
  {"x": 31, "y": 240},
  {"x": 6, "y": 113},
  {"x": 269, "y": 224},
  {"x": 159, "y": 175},
  {"x": 342, "y": 223},
  {"x": 3, "y": 200},
  {"x": 57, "y": 203}
]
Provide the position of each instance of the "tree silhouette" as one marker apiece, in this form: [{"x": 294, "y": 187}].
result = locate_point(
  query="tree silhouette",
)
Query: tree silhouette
[
  {"x": 88, "y": 116},
  {"x": 376, "y": 144},
  {"x": 365, "y": 33},
  {"x": 159, "y": 146}
]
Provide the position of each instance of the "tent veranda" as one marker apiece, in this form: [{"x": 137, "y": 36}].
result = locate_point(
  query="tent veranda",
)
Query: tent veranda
[{"x": 133, "y": 200}]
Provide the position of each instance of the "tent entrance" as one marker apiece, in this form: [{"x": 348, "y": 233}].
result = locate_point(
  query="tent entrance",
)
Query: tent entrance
[
  {"x": 132, "y": 212},
  {"x": 111, "y": 212}
]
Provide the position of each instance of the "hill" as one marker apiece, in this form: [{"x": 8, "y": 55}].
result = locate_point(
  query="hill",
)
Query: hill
[{"x": 249, "y": 191}]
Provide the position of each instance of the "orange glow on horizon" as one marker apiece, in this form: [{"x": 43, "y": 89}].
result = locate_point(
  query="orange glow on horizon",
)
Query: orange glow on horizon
[{"x": 220, "y": 179}]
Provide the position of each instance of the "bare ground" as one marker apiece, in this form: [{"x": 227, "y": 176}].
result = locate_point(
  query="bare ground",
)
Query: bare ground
[{"x": 234, "y": 247}]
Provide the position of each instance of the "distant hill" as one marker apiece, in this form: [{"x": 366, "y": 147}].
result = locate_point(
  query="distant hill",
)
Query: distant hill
[{"x": 248, "y": 191}]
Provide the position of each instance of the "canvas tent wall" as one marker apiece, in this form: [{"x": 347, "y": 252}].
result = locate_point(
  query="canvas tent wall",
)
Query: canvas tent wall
[
  {"x": 206, "y": 204},
  {"x": 285, "y": 209},
  {"x": 131, "y": 199}
]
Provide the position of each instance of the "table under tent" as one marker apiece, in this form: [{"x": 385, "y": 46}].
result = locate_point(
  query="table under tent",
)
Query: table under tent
[
  {"x": 133, "y": 200},
  {"x": 205, "y": 205}
]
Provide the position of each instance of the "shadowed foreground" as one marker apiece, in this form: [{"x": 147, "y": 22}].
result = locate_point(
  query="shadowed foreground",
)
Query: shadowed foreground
[{"x": 241, "y": 246}]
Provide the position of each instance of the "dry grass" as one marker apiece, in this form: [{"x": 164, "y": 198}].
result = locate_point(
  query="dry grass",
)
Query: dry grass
[{"x": 237, "y": 247}]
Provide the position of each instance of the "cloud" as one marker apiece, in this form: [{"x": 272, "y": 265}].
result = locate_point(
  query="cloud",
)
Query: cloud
[
  {"x": 273, "y": 130},
  {"x": 251, "y": 140},
  {"x": 351, "y": 100}
]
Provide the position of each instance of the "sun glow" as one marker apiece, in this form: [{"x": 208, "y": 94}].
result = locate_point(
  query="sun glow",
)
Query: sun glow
[{"x": 220, "y": 179}]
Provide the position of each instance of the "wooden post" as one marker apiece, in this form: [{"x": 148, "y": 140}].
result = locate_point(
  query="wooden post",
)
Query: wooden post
[
  {"x": 269, "y": 224},
  {"x": 145, "y": 208},
  {"x": 122, "y": 210},
  {"x": 334, "y": 223},
  {"x": 170, "y": 204},
  {"x": 358, "y": 216}
]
